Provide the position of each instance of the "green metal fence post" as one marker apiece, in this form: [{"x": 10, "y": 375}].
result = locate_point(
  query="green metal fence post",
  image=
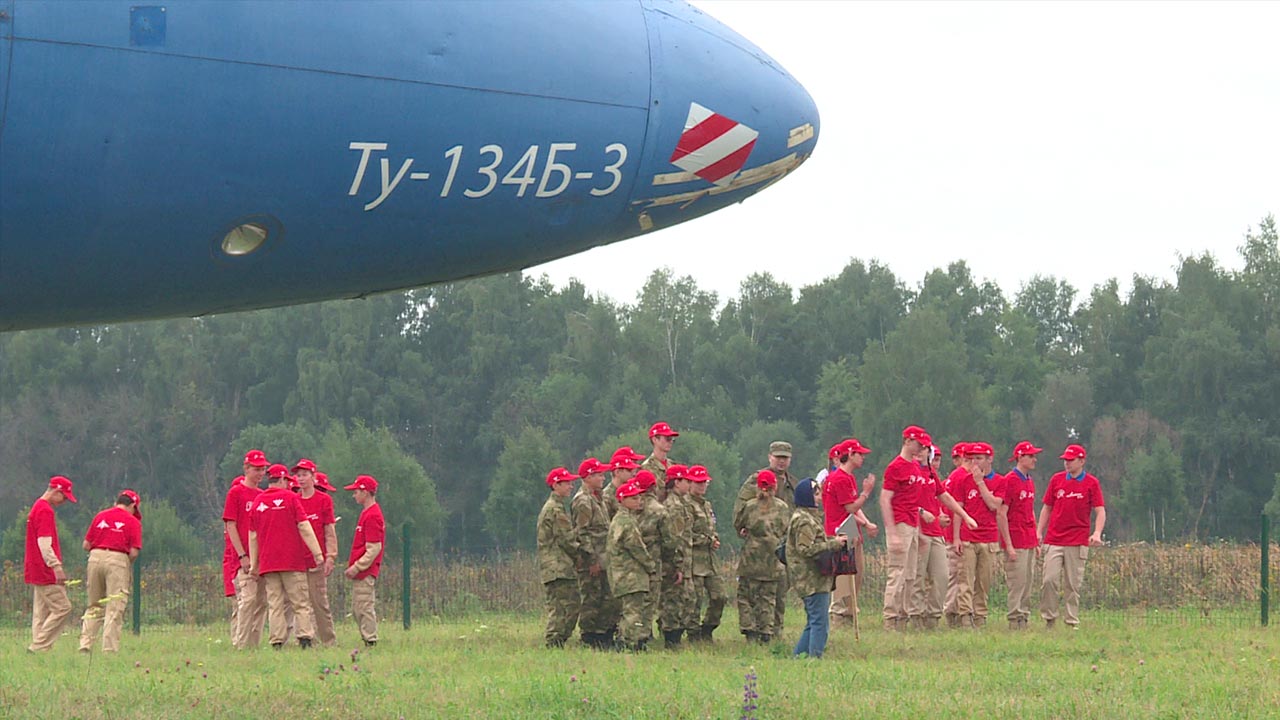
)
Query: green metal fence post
[
  {"x": 404, "y": 596},
  {"x": 137, "y": 597},
  {"x": 1266, "y": 570}
]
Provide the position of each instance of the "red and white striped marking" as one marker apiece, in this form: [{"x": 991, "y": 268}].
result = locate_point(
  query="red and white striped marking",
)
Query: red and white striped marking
[{"x": 713, "y": 147}]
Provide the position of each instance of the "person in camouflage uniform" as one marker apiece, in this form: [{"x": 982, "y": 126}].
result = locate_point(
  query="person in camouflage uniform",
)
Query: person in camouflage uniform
[
  {"x": 630, "y": 567},
  {"x": 558, "y": 551},
  {"x": 706, "y": 578},
  {"x": 662, "y": 438},
  {"x": 763, "y": 524},
  {"x": 624, "y": 467},
  {"x": 805, "y": 540},
  {"x": 679, "y": 602},
  {"x": 780, "y": 466},
  {"x": 598, "y": 616},
  {"x": 655, "y": 530}
]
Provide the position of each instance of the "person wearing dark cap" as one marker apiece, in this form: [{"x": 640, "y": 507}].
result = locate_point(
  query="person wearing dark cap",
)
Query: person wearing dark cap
[
  {"x": 250, "y": 614},
  {"x": 558, "y": 553},
  {"x": 706, "y": 575},
  {"x": 365, "y": 561},
  {"x": 599, "y": 615},
  {"x": 319, "y": 509},
  {"x": 662, "y": 438},
  {"x": 42, "y": 566},
  {"x": 113, "y": 541},
  {"x": 805, "y": 541},
  {"x": 780, "y": 466},
  {"x": 762, "y": 523},
  {"x": 1069, "y": 500},
  {"x": 1018, "y": 511},
  {"x": 631, "y": 567},
  {"x": 679, "y": 601},
  {"x": 625, "y": 464}
]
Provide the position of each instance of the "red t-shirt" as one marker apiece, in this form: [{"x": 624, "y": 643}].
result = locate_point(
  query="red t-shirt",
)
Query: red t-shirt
[
  {"x": 905, "y": 479},
  {"x": 275, "y": 517},
  {"x": 371, "y": 528},
  {"x": 839, "y": 489},
  {"x": 1071, "y": 502},
  {"x": 319, "y": 509},
  {"x": 114, "y": 529},
  {"x": 929, "y": 493},
  {"x": 971, "y": 499},
  {"x": 40, "y": 523},
  {"x": 1019, "y": 493},
  {"x": 236, "y": 508}
]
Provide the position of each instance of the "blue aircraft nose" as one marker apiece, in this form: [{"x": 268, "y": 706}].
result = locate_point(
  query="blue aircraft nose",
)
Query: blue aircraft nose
[{"x": 726, "y": 120}]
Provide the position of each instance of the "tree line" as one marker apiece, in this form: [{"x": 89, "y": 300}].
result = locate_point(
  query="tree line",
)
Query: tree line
[{"x": 460, "y": 397}]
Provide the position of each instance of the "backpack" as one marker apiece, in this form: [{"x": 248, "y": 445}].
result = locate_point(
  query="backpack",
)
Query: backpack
[{"x": 837, "y": 562}]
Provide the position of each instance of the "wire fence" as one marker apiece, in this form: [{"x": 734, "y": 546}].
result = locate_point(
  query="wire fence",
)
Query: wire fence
[{"x": 1217, "y": 584}]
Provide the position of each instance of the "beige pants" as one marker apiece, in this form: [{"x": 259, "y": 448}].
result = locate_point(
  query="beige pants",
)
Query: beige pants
[
  {"x": 50, "y": 607},
  {"x": 1017, "y": 573},
  {"x": 844, "y": 596},
  {"x": 1063, "y": 562},
  {"x": 979, "y": 569},
  {"x": 902, "y": 571},
  {"x": 955, "y": 566},
  {"x": 288, "y": 589},
  {"x": 931, "y": 578},
  {"x": 363, "y": 599},
  {"x": 318, "y": 588},
  {"x": 251, "y": 611},
  {"x": 109, "y": 576}
]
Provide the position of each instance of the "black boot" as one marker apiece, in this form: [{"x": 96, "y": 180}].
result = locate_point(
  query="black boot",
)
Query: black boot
[
  {"x": 671, "y": 638},
  {"x": 304, "y": 643},
  {"x": 277, "y": 646},
  {"x": 751, "y": 635},
  {"x": 556, "y": 643},
  {"x": 705, "y": 634},
  {"x": 765, "y": 638}
]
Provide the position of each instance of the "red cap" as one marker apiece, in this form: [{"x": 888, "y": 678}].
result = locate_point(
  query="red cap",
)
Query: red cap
[
  {"x": 766, "y": 478},
  {"x": 293, "y": 484},
  {"x": 856, "y": 446},
  {"x": 304, "y": 464},
  {"x": 363, "y": 482},
  {"x": 1024, "y": 448},
  {"x": 645, "y": 480},
  {"x": 840, "y": 448},
  {"x": 322, "y": 482},
  {"x": 927, "y": 440},
  {"x": 58, "y": 482},
  {"x": 626, "y": 452},
  {"x": 559, "y": 475},
  {"x": 591, "y": 466},
  {"x": 137, "y": 502},
  {"x": 277, "y": 471},
  {"x": 677, "y": 472},
  {"x": 629, "y": 489},
  {"x": 256, "y": 458},
  {"x": 698, "y": 474},
  {"x": 663, "y": 429},
  {"x": 1073, "y": 452},
  {"x": 958, "y": 449},
  {"x": 915, "y": 432},
  {"x": 979, "y": 448}
]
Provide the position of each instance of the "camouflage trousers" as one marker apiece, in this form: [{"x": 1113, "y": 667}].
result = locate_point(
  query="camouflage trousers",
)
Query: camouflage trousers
[
  {"x": 679, "y": 605},
  {"x": 632, "y": 627},
  {"x": 757, "y": 600},
  {"x": 711, "y": 600},
  {"x": 651, "y": 605},
  {"x": 599, "y": 613},
  {"x": 563, "y": 604}
]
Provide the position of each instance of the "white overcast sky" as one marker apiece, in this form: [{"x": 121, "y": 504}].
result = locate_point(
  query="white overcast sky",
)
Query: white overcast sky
[{"x": 1084, "y": 140}]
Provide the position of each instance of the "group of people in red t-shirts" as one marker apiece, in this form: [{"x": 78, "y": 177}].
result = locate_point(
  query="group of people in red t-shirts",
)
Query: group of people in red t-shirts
[{"x": 945, "y": 535}]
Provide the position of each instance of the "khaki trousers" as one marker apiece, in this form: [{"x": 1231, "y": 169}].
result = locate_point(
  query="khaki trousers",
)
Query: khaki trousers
[
  {"x": 109, "y": 576},
  {"x": 50, "y": 607},
  {"x": 363, "y": 599},
  {"x": 318, "y": 589},
  {"x": 902, "y": 571},
  {"x": 930, "y": 587},
  {"x": 1063, "y": 562},
  {"x": 288, "y": 589},
  {"x": 955, "y": 567},
  {"x": 1017, "y": 573},
  {"x": 979, "y": 569},
  {"x": 251, "y": 611}
]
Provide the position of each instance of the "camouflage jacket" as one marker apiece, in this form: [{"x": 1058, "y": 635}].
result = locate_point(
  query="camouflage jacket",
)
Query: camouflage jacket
[
  {"x": 659, "y": 470},
  {"x": 704, "y": 537},
  {"x": 630, "y": 563},
  {"x": 786, "y": 490},
  {"x": 680, "y": 516},
  {"x": 765, "y": 523},
  {"x": 805, "y": 540},
  {"x": 557, "y": 546},
  {"x": 590, "y": 526},
  {"x": 655, "y": 529},
  {"x": 610, "y": 497}
]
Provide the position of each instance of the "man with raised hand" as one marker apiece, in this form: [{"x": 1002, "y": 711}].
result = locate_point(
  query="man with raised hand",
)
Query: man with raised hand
[
  {"x": 840, "y": 500},
  {"x": 282, "y": 548},
  {"x": 113, "y": 540},
  {"x": 319, "y": 509},
  {"x": 42, "y": 566},
  {"x": 706, "y": 574},
  {"x": 1018, "y": 513},
  {"x": 251, "y": 602},
  {"x": 979, "y": 545},
  {"x": 662, "y": 438},
  {"x": 598, "y": 616},
  {"x": 1069, "y": 500},
  {"x": 365, "y": 560}
]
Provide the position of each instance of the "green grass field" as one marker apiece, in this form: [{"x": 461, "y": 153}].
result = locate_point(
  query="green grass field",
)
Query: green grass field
[{"x": 495, "y": 667}]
